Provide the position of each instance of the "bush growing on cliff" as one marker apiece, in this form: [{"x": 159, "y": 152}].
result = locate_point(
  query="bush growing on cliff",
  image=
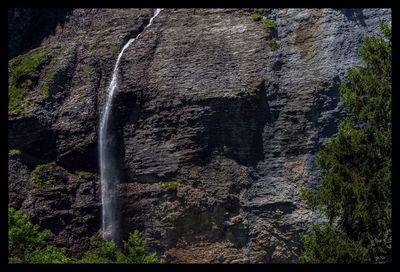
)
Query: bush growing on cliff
[
  {"x": 256, "y": 16},
  {"x": 356, "y": 167},
  {"x": 169, "y": 184},
  {"x": 41, "y": 180},
  {"x": 102, "y": 252},
  {"x": 268, "y": 24},
  {"x": 27, "y": 243},
  {"x": 132, "y": 251},
  {"x": 273, "y": 44}
]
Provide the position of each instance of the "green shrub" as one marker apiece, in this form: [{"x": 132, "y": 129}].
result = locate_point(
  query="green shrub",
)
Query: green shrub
[
  {"x": 88, "y": 68},
  {"x": 45, "y": 90},
  {"x": 27, "y": 243},
  {"x": 40, "y": 182},
  {"x": 102, "y": 252},
  {"x": 132, "y": 251},
  {"x": 114, "y": 51},
  {"x": 171, "y": 217},
  {"x": 14, "y": 152},
  {"x": 256, "y": 16},
  {"x": 89, "y": 46},
  {"x": 23, "y": 236},
  {"x": 273, "y": 44},
  {"x": 268, "y": 24},
  {"x": 169, "y": 184},
  {"x": 47, "y": 255},
  {"x": 81, "y": 174}
]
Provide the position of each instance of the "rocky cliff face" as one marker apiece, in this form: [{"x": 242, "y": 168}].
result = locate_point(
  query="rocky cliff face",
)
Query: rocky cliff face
[{"x": 216, "y": 132}]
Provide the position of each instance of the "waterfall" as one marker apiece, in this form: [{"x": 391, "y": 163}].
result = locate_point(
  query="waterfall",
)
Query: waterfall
[{"x": 108, "y": 167}]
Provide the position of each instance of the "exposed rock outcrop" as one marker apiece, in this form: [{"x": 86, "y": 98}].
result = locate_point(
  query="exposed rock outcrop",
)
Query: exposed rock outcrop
[{"x": 216, "y": 131}]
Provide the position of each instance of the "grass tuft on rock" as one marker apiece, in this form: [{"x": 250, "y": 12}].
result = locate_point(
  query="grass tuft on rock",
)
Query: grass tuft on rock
[
  {"x": 14, "y": 152},
  {"x": 19, "y": 82},
  {"x": 169, "y": 184},
  {"x": 273, "y": 44},
  {"x": 256, "y": 16},
  {"x": 81, "y": 174},
  {"x": 268, "y": 24},
  {"x": 39, "y": 179}
]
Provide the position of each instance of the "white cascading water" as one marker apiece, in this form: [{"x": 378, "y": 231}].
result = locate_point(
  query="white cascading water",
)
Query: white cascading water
[{"x": 108, "y": 171}]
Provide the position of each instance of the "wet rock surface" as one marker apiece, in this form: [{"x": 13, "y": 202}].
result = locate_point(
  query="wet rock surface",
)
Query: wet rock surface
[{"x": 203, "y": 105}]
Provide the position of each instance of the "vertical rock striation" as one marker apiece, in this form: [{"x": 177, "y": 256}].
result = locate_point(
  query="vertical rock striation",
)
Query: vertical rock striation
[{"x": 216, "y": 133}]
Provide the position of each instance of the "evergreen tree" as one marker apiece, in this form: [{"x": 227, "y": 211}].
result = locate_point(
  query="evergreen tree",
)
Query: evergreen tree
[
  {"x": 356, "y": 167},
  {"x": 132, "y": 251},
  {"x": 27, "y": 243}
]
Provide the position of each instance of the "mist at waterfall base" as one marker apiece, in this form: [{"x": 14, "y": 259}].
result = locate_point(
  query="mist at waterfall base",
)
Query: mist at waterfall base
[{"x": 109, "y": 168}]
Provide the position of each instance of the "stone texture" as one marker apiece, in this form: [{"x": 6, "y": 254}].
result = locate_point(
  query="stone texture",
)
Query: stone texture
[{"x": 203, "y": 101}]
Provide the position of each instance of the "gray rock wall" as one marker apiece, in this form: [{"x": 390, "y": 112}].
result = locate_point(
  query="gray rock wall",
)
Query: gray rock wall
[{"x": 202, "y": 101}]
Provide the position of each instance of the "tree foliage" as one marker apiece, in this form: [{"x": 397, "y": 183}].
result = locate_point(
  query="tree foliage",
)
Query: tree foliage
[
  {"x": 330, "y": 245},
  {"x": 132, "y": 251},
  {"x": 356, "y": 166},
  {"x": 27, "y": 244},
  {"x": 102, "y": 252},
  {"x": 48, "y": 254}
]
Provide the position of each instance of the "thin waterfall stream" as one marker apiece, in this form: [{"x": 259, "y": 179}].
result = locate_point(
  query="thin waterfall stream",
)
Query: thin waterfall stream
[{"x": 108, "y": 167}]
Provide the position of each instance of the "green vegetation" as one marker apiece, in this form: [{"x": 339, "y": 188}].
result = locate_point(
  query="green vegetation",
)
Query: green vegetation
[
  {"x": 14, "y": 152},
  {"x": 89, "y": 46},
  {"x": 171, "y": 217},
  {"x": 19, "y": 83},
  {"x": 114, "y": 51},
  {"x": 50, "y": 74},
  {"x": 48, "y": 254},
  {"x": 41, "y": 181},
  {"x": 199, "y": 12},
  {"x": 256, "y": 16},
  {"x": 102, "y": 252},
  {"x": 273, "y": 44},
  {"x": 81, "y": 174},
  {"x": 356, "y": 167},
  {"x": 45, "y": 90},
  {"x": 169, "y": 184},
  {"x": 268, "y": 24},
  {"x": 88, "y": 68},
  {"x": 330, "y": 245},
  {"x": 132, "y": 251},
  {"x": 27, "y": 244},
  {"x": 270, "y": 27}
]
